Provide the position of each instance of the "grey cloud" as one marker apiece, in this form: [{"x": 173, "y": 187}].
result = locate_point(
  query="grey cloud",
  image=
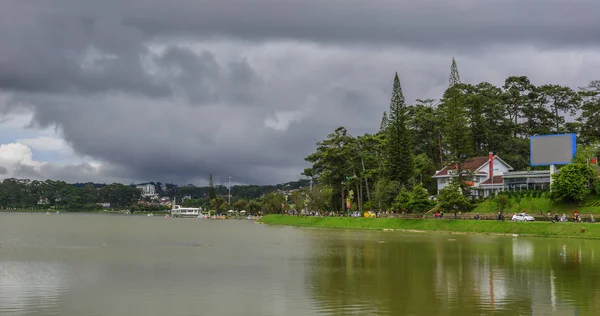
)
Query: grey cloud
[
  {"x": 200, "y": 77},
  {"x": 82, "y": 173},
  {"x": 26, "y": 172},
  {"x": 176, "y": 90},
  {"x": 173, "y": 142},
  {"x": 431, "y": 23},
  {"x": 71, "y": 173}
]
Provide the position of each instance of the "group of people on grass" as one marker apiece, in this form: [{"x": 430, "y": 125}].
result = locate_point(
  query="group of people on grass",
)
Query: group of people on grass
[{"x": 576, "y": 218}]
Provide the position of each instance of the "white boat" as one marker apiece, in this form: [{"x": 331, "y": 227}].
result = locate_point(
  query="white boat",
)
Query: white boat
[{"x": 193, "y": 212}]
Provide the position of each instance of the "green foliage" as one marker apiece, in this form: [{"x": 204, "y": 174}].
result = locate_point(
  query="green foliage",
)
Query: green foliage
[
  {"x": 254, "y": 207},
  {"x": 454, "y": 78},
  {"x": 573, "y": 182},
  {"x": 419, "y": 200},
  {"x": 384, "y": 122},
  {"x": 590, "y": 113},
  {"x": 501, "y": 201},
  {"x": 240, "y": 205},
  {"x": 426, "y": 127},
  {"x": 212, "y": 194},
  {"x": 398, "y": 142},
  {"x": 457, "y": 134},
  {"x": 424, "y": 170},
  {"x": 469, "y": 120},
  {"x": 385, "y": 193},
  {"x": 338, "y": 162},
  {"x": 219, "y": 205},
  {"x": 319, "y": 198},
  {"x": 402, "y": 200},
  {"x": 451, "y": 199},
  {"x": 299, "y": 200},
  {"x": 272, "y": 203},
  {"x": 148, "y": 207},
  {"x": 559, "y": 100},
  {"x": 585, "y": 153},
  {"x": 27, "y": 194},
  {"x": 200, "y": 202}
]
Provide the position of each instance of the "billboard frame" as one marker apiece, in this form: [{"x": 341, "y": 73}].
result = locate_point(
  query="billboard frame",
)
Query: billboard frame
[{"x": 573, "y": 149}]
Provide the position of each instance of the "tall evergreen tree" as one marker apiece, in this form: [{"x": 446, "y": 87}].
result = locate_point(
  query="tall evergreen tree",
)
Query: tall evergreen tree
[
  {"x": 398, "y": 138},
  {"x": 457, "y": 134},
  {"x": 212, "y": 193},
  {"x": 384, "y": 122},
  {"x": 454, "y": 76}
]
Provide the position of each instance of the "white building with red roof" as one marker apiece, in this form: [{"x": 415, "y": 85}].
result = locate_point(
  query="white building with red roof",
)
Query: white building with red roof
[
  {"x": 492, "y": 174},
  {"x": 481, "y": 172}
]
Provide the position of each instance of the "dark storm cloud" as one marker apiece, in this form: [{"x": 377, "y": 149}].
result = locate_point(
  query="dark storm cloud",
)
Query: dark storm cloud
[
  {"x": 3, "y": 170},
  {"x": 432, "y": 23},
  {"x": 201, "y": 79},
  {"x": 175, "y": 90}
]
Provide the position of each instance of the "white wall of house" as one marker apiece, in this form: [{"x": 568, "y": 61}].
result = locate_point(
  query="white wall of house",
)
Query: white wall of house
[
  {"x": 499, "y": 168},
  {"x": 442, "y": 182}
]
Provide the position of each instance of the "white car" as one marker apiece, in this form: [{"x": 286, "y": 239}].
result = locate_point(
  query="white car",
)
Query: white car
[{"x": 522, "y": 218}]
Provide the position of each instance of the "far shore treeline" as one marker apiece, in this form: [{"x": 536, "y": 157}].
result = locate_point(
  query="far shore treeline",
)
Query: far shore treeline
[
  {"x": 390, "y": 169},
  {"x": 33, "y": 194}
]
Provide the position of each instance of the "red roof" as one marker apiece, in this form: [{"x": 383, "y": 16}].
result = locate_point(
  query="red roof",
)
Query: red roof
[
  {"x": 471, "y": 165},
  {"x": 497, "y": 180}
]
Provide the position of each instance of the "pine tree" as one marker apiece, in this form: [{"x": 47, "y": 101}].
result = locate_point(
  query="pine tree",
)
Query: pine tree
[
  {"x": 454, "y": 76},
  {"x": 457, "y": 136},
  {"x": 384, "y": 122},
  {"x": 398, "y": 139},
  {"x": 212, "y": 194}
]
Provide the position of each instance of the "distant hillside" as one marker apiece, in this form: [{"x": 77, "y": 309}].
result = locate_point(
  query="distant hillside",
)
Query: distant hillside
[{"x": 251, "y": 191}]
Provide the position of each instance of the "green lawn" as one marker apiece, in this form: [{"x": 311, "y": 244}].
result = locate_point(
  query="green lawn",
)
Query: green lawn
[
  {"x": 542, "y": 229},
  {"x": 534, "y": 205}
]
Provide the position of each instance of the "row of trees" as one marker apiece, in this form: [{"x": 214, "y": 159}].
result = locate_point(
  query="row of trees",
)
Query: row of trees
[
  {"x": 27, "y": 194},
  {"x": 413, "y": 141},
  {"x": 211, "y": 191},
  {"x": 34, "y": 194}
]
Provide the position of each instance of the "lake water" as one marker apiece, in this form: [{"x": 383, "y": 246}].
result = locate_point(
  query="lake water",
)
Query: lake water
[{"x": 79, "y": 265}]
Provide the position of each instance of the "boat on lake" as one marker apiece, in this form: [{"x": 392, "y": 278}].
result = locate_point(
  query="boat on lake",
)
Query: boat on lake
[{"x": 190, "y": 212}]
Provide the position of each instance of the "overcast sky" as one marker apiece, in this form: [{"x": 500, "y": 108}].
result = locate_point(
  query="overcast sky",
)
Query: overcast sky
[{"x": 141, "y": 90}]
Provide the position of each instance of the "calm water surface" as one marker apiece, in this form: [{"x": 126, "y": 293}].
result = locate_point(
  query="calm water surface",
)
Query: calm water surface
[{"x": 78, "y": 265}]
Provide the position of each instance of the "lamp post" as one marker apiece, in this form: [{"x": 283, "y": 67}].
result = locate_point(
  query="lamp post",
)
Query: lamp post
[{"x": 229, "y": 197}]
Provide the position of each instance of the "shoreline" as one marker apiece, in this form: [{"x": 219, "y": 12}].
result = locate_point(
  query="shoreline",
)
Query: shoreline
[
  {"x": 451, "y": 227},
  {"x": 53, "y": 212}
]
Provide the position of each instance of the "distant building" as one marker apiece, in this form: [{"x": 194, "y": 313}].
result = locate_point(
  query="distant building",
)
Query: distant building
[
  {"x": 491, "y": 174},
  {"x": 43, "y": 201},
  {"x": 148, "y": 190}
]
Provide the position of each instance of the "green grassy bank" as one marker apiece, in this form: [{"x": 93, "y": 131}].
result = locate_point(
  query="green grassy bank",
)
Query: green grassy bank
[
  {"x": 541, "y": 229},
  {"x": 534, "y": 205}
]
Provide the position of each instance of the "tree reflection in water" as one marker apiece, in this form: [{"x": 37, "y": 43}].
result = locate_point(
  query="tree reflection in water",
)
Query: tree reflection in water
[{"x": 422, "y": 274}]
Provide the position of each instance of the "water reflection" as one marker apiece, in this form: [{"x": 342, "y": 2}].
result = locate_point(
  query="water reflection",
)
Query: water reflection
[
  {"x": 441, "y": 275},
  {"x": 103, "y": 265},
  {"x": 29, "y": 286}
]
